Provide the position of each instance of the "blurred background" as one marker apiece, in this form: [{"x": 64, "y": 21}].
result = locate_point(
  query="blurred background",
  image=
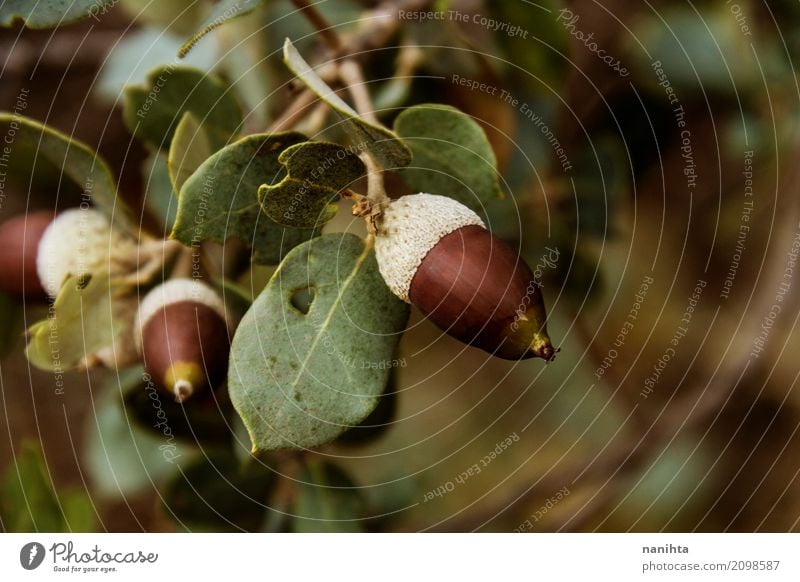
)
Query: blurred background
[{"x": 649, "y": 152}]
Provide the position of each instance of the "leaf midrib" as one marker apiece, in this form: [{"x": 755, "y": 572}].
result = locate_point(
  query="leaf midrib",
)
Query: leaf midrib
[{"x": 356, "y": 268}]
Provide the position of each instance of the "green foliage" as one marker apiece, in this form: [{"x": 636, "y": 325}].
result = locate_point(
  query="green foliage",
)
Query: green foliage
[
  {"x": 543, "y": 69},
  {"x": 29, "y": 503},
  {"x": 190, "y": 147},
  {"x": 121, "y": 457},
  {"x": 50, "y": 13},
  {"x": 247, "y": 63},
  {"x": 380, "y": 419},
  {"x": 178, "y": 17},
  {"x": 316, "y": 173},
  {"x": 152, "y": 111},
  {"x": 602, "y": 178},
  {"x": 223, "y": 12},
  {"x": 159, "y": 197},
  {"x": 301, "y": 373},
  {"x": 85, "y": 318},
  {"x": 220, "y": 200},
  {"x": 217, "y": 493},
  {"x": 452, "y": 156},
  {"x": 699, "y": 52},
  {"x": 383, "y": 144},
  {"x": 326, "y": 501},
  {"x": 139, "y": 52},
  {"x": 75, "y": 160}
]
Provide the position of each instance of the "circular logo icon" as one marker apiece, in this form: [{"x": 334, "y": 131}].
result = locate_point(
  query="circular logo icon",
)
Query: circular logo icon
[{"x": 31, "y": 555}]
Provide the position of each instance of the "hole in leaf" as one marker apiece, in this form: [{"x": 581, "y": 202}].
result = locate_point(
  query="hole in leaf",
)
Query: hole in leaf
[{"x": 302, "y": 299}]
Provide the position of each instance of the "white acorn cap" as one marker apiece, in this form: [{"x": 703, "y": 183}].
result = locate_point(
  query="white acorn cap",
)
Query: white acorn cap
[
  {"x": 77, "y": 242},
  {"x": 177, "y": 291},
  {"x": 411, "y": 226}
]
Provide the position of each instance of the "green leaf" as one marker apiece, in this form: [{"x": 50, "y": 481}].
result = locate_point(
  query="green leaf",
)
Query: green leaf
[
  {"x": 159, "y": 197},
  {"x": 382, "y": 143},
  {"x": 304, "y": 369},
  {"x": 137, "y": 53},
  {"x": 220, "y": 200},
  {"x": 50, "y": 13},
  {"x": 327, "y": 501},
  {"x": 85, "y": 318},
  {"x": 190, "y": 147},
  {"x": 248, "y": 62},
  {"x": 179, "y": 17},
  {"x": 381, "y": 419},
  {"x": 28, "y": 502},
  {"x": 452, "y": 156},
  {"x": 80, "y": 515},
  {"x": 152, "y": 111},
  {"x": 75, "y": 160},
  {"x": 217, "y": 494},
  {"x": 316, "y": 173},
  {"x": 122, "y": 459},
  {"x": 223, "y": 12}
]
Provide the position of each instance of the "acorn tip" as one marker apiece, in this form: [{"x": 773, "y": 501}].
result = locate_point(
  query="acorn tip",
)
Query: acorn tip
[{"x": 182, "y": 389}]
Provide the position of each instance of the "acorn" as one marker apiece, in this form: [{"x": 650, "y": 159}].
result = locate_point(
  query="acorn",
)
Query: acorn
[
  {"x": 436, "y": 254},
  {"x": 80, "y": 241},
  {"x": 19, "y": 240},
  {"x": 183, "y": 334}
]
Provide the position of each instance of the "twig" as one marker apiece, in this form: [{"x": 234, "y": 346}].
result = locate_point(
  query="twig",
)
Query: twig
[
  {"x": 326, "y": 30},
  {"x": 299, "y": 108},
  {"x": 351, "y": 75},
  {"x": 372, "y": 206}
]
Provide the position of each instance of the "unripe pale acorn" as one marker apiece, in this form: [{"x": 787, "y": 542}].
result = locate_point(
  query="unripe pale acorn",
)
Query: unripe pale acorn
[
  {"x": 436, "y": 253},
  {"x": 78, "y": 242},
  {"x": 183, "y": 335},
  {"x": 19, "y": 245}
]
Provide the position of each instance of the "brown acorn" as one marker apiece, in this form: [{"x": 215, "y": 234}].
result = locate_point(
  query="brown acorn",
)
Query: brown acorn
[
  {"x": 436, "y": 253},
  {"x": 19, "y": 240},
  {"x": 183, "y": 335}
]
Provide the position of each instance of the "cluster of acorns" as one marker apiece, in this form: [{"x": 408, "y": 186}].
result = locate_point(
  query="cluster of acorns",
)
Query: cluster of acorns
[
  {"x": 432, "y": 251},
  {"x": 180, "y": 330}
]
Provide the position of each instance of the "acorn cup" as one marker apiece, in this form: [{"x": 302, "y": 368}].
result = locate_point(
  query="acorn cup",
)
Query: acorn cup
[
  {"x": 41, "y": 249},
  {"x": 436, "y": 254},
  {"x": 82, "y": 241},
  {"x": 183, "y": 334}
]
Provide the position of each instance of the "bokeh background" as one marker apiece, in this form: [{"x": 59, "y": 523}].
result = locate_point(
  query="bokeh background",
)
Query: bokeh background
[{"x": 649, "y": 151}]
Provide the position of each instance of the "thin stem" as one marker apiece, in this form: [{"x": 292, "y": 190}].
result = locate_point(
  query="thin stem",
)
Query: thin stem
[
  {"x": 318, "y": 21},
  {"x": 377, "y": 199},
  {"x": 351, "y": 75},
  {"x": 299, "y": 108}
]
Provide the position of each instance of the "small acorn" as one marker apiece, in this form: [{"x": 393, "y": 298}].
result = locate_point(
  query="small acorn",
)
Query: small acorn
[
  {"x": 80, "y": 241},
  {"x": 436, "y": 253},
  {"x": 19, "y": 240},
  {"x": 183, "y": 334}
]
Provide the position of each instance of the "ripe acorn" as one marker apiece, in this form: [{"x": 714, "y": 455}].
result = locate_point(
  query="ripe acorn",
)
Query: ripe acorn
[
  {"x": 436, "y": 253},
  {"x": 183, "y": 334},
  {"x": 79, "y": 241},
  {"x": 19, "y": 241}
]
